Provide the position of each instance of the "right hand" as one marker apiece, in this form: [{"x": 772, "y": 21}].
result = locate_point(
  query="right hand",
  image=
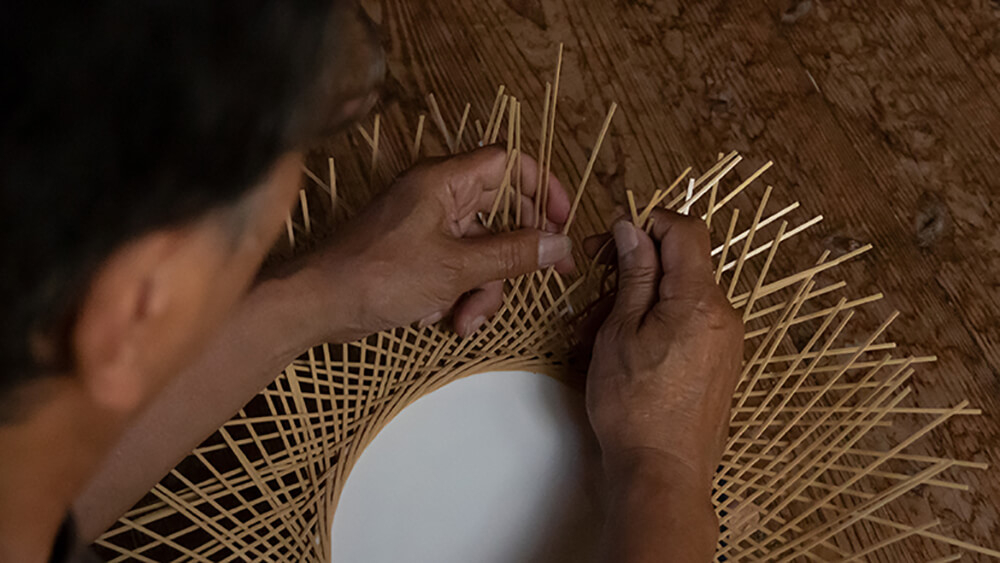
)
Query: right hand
[{"x": 667, "y": 359}]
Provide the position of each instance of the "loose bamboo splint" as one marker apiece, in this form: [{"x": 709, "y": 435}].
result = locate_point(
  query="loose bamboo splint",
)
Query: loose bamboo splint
[{"x": 808, "y": 465}]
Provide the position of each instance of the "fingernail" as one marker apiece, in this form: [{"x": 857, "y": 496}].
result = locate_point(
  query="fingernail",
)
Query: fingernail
[
  {"x": 553, "y": 248},
  {"x": 475, "y": 325},
  {"x": 625, "y": 238},
  {"x": 431, "y": 319}
]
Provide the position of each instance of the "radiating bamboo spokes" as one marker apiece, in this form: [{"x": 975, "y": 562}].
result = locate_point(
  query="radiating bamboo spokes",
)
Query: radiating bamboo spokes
[{"x": 807, "y": 459}]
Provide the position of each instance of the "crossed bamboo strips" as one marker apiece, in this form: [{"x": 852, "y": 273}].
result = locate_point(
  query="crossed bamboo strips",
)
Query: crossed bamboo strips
[{"x": 808, "y": 463}]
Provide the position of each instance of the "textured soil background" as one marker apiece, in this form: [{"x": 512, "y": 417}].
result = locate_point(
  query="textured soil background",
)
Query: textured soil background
[{"x": 882, "y": 115}]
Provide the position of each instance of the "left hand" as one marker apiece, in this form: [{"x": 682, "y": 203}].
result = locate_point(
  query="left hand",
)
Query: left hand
[{"x": 420, "y": 252}]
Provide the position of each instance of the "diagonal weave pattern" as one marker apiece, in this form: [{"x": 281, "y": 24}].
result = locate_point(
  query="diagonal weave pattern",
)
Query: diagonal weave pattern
[{"x": 809, "y": 459}]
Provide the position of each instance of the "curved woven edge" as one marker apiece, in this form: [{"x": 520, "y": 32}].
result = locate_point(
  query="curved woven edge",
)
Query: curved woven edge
[{"x": 807, "y": 463}]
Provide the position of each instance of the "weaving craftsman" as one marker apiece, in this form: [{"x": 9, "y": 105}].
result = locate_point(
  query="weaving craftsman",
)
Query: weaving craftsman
[{"x": 152, "y": 154}]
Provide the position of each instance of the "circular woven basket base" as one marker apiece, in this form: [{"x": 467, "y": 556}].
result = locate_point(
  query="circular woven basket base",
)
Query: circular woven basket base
[{"x": 827, "y": 447}]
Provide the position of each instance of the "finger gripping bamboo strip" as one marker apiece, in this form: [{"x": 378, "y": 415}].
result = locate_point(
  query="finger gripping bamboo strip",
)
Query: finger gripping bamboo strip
[{"x": 799, "y": 478}]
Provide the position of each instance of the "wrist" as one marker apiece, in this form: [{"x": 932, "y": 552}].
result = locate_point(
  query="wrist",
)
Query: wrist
[
  {"x": 313, "y": 304},
  {"x": 283, "y": 308},
  {"x": 649, "y": 486},
  {"x": 656, "y": 467}
]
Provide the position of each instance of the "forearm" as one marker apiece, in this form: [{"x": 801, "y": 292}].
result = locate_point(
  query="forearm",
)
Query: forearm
[
  {"x": 262, "y": 337},
  {"x": 657, "y": 514}
]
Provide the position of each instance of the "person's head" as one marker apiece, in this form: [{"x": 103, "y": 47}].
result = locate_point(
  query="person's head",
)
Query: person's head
[{"x": 148, "y": 155}]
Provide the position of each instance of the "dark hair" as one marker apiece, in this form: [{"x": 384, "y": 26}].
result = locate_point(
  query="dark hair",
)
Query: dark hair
[{"x": 121, "y": 117}]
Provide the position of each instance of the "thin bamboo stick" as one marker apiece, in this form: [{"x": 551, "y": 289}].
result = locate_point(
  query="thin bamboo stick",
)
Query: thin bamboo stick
[
  {"x": 438, "y": 120},
  {"x": 540, "y": 160},
  {"x": 550, "y": 141},
  {"x": 304, "y": 204},
  {"x": 333, "y": 184},
  {"x": 460, "y": 135},
  {"x": 794, "y": 450},
  {"x": 418, "y": 139},
  {"x": 590, "y": 168}
]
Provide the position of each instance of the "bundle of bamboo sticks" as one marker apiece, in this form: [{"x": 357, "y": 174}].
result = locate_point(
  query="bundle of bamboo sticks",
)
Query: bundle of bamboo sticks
[{"x": 810, "y": 471}]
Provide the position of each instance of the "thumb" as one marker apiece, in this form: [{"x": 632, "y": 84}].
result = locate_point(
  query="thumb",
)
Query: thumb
[
  {"x": 508, "y": 255},
  {"x": 686, "y": 254},
  {"x": 638, "y": 273}
]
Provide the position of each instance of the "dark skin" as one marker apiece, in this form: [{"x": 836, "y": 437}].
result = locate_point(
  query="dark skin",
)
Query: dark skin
[
  {"x": 417, "y": 252},
  {"x": 171, "y": 339},
  {"x": 666, "y": 362},
  {"x": 658, "y": 410}
]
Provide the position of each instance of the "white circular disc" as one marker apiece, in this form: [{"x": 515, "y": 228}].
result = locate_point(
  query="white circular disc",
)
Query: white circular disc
[{"x": 495, "y": 468}]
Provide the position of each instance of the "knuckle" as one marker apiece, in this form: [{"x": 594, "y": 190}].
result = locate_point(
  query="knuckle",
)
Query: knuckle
[
  {"x": 421, "y": 170},
  {"x": 637, "y": 274},
  {"x": 492, "y": 155},
  {"x": 692, "y": 228},
  {"x": 510, "y": 259},
  {"x": 454, "y": 272},
  {"x": 496, "y": 151},
  {"x": 605, "y": 337},
  {"x": 609, "y": 335},
  {"x": 606, "y": 347},
  {"x": 420, "y": 179},
  {"x": 686, "y": 230},
  {"x": 721, "y": 315},
  {"x": 635, "y": 363}
]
